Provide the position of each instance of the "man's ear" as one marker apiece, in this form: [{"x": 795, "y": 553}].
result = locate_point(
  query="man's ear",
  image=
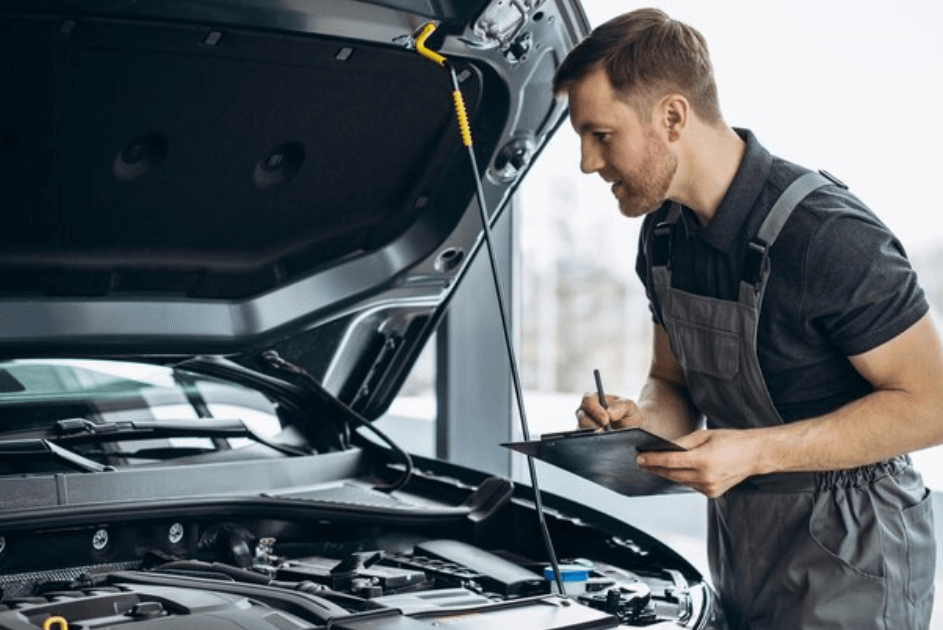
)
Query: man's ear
[{"x": 674, "y": 113}]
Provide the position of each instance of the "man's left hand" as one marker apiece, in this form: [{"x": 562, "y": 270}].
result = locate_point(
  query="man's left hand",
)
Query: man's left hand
[{"x": 714, "y": 462}]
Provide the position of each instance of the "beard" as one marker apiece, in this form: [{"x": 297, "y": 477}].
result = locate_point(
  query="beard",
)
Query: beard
[{"x": 650, "y": 183}]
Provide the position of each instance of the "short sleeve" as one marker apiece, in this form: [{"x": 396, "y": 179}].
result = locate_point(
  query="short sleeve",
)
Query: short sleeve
[{"x": 861, "y": 290}]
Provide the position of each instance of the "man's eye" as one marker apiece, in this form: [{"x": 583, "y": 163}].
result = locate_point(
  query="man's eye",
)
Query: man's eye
[{"x": 602, "y": 136}]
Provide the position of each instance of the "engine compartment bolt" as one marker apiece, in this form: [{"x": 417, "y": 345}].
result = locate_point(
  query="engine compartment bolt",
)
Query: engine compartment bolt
[
  {"x": 100, "y": 539},
  {"x": 175, "y": 533}
]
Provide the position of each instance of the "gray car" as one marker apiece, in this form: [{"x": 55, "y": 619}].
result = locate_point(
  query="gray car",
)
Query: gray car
[{"x": 229, "y": 229}]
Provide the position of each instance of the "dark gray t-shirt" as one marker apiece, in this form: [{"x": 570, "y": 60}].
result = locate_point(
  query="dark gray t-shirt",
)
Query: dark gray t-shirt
[{"x": 840, "y": 283}]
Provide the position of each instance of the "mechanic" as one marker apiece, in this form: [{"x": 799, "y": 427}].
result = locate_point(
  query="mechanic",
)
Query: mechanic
[{"x": 793, "y": 355}]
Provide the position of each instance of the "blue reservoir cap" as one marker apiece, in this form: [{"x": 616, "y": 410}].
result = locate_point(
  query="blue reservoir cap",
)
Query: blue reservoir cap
[{"x": 568, "y": 573}]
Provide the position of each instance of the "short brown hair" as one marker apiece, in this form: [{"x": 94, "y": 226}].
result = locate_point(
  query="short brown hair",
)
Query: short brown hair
[{"x": 646, "y": 55}]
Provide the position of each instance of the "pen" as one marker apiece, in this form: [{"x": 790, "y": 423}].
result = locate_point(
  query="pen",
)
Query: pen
[{"x": 601, "y": 394}]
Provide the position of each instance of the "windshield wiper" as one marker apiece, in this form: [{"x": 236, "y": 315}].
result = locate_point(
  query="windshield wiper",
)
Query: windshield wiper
[
  {"x": 273, "y": 359},
  {"x": 82, "y": 430},
  {"x": 32, "y": 448},
  {"x": 295, "y": 396}
]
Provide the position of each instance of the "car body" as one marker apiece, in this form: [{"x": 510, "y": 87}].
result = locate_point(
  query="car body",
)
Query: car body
[{"x": 230, "y": 229}]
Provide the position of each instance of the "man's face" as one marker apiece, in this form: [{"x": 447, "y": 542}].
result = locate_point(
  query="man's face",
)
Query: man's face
[{"x": 614, "y": 142}]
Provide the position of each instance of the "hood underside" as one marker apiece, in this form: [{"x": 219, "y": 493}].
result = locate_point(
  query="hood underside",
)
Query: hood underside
[{"x": 220, "y": 177}]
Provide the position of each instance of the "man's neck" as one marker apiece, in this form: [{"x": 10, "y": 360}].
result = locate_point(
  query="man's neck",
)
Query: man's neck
[{"x": 711, "y": 159}]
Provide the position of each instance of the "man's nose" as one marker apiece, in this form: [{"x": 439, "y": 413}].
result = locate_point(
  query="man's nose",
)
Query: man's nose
[{"x": 590, "y": 160}]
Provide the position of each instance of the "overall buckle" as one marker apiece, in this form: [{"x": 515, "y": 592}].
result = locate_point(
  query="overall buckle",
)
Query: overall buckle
[
  {"x": 754, "y": 265},
  {"x": 661, "y": 244}
]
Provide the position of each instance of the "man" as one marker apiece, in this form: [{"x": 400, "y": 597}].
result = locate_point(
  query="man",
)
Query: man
[{"x": 788, "y": 322}]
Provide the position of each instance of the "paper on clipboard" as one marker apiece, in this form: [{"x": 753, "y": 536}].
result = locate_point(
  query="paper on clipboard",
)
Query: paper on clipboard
[{"x": 606, "y": 458}]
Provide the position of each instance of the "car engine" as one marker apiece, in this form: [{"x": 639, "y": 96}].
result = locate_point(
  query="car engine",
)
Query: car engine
[{"x": 263, "y": 574}]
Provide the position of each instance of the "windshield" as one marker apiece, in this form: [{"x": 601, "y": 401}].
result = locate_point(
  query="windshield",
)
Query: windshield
[{"x": 118, "y": 413}]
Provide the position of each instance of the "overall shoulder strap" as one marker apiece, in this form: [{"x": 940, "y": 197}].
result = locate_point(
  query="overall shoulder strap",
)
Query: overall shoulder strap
[
  {"x": 661, "y": 243},
  {"x": 756, "y": 261}
]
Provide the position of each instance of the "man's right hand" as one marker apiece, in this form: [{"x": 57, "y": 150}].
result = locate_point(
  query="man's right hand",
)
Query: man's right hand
[
  {"x": 621, "y": 413},
  {"x": 663, "y": 407}
]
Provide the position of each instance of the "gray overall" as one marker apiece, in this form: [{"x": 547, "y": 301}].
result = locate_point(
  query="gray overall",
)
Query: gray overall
[{"x": 843, "y": 549}]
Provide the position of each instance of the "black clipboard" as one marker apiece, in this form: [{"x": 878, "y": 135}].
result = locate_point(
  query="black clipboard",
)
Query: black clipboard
[{"x": 606, "y": 458}]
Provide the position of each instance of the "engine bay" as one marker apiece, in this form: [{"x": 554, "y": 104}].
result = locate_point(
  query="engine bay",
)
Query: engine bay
[{"x": 259, "y": 573}]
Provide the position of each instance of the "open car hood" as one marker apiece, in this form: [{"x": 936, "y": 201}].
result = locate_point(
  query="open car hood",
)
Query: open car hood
[{"x": 190, "y": 177}]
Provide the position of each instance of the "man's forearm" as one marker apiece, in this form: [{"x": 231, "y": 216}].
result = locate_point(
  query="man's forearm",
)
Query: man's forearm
[{"x": 877, "y": 427}]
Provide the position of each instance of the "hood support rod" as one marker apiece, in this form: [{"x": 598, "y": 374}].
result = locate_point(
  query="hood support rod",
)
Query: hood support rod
[{"x": 461, "y": 116}]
